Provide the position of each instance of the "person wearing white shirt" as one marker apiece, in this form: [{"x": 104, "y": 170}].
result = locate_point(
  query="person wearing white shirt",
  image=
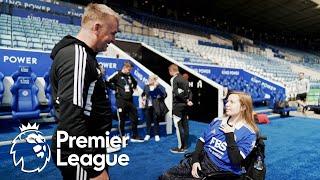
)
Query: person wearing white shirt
[{"x": 302, "y": 88}]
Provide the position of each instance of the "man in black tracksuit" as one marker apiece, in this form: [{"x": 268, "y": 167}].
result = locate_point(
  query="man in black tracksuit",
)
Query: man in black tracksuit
[
  {"x": 181, "y": 94},
  {"x": 124, "y": 84},
  {"x": 78, "y": 90}
]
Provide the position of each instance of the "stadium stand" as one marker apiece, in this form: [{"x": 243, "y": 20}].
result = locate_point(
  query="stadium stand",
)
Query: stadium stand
[
  {"x": 268, "y": 67},
  {"x": 186, "y": 48},
  {"x": 187, "y": 44},
  {"x": 43, "y": 35},
  {"x": 201, "y": 48}
]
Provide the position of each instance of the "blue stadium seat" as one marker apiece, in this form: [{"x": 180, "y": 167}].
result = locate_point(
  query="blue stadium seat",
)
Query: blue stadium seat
[
  {"x": 47, "y": 90},
  {"x": 24, "y": 99},
  {"x": 1, "y": 87},
  {"x": 46, "y": 78},
  {"x": 24, "y": 71},
  {"x": 5, "y": 36}
]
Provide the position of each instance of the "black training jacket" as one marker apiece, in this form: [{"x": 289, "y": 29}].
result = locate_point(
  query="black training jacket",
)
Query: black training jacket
[
  {"x": 180, "y": 90},
  {"x": 78, "y": 91},
  {"x": 118, "y": 81}
]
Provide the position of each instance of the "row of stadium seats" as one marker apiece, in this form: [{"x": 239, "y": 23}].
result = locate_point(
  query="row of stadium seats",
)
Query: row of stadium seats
[
  {"x": 307, "y": 59},
  {"x": 291, "y": 55},
  {"x": 268, "y": 67},
  {"x": 224, "y": 40},
  {"x": 42, "y": 35},
  {"x": 17, "y": 32},
  {"x": 179, "y": 54},
  {"x": 239, "y": 84},
  {"x": 166, "y": 47}
]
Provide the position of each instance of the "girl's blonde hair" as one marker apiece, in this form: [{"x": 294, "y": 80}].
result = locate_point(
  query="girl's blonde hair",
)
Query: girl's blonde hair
[{"x": 247, "y": 114}]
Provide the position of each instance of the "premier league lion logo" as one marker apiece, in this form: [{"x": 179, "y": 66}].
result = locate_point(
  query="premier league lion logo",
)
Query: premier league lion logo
[{"x": 34, "y": 154}]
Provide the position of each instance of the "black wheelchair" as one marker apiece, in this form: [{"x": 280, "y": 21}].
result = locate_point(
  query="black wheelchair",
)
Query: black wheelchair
[{"x": 249, "y": 171}]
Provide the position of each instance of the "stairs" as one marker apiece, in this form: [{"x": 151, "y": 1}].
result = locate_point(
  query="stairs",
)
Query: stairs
[{"x": 268, "y": 112}]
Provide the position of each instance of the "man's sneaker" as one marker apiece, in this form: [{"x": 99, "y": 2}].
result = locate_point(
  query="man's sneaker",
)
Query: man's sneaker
[
  {"x": 177, "y": 150},
  {"x": 113, "y": 149},
  {"x": 136, "y": 139},
  {"x": 157, "y": 138},
  {"x": 147, "y": 137},
  {"x": 306, "y": 108}
]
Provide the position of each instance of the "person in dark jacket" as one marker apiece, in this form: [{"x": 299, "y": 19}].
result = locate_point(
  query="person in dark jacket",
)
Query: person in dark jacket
[
  {"x": 153, "y": 96},
  {"x": 186, "y": 77},
  {"x": 180, "y": 93},
  {"x": 78, "y": 90},
  {"x": 224, "y": 144},
  {"x": 124, "y": 84}
]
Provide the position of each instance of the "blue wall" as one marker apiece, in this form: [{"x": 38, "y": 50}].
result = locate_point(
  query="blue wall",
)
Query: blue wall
[{"x": 10, "y": 60}]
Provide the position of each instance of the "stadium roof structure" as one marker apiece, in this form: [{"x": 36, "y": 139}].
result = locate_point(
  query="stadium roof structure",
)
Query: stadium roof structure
[
  {"x": 300, "y": 16},
  {"x": 288, "y": 21}
]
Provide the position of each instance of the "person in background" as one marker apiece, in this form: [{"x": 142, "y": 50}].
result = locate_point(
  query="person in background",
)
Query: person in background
[
  {"x": 180, "y": 101},
  {"x": 186, "y": 77},
  {"x": 124, "y": 84},
  {"x": 153, "y": 102},
  {"x": 302, "y": 87}
]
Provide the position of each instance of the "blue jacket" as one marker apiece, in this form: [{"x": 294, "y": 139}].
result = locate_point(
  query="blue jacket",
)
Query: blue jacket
[{"x": 160, "y": 108}]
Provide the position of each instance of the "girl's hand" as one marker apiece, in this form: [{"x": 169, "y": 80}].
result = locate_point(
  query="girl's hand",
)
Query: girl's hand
[
  {"x": 195, "y": 167},
  {"x": 226, "y": 128}
]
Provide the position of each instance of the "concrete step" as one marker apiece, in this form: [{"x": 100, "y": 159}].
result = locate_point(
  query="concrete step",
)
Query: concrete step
[
  {"x": 273, "y": 115},
  {"x": 264, "y": 111}
]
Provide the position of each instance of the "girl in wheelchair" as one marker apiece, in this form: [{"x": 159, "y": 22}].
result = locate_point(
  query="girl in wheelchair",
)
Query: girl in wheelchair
[{"x": 224, "y": 144}]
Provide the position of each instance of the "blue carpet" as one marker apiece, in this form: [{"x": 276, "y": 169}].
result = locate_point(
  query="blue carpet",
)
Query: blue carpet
[
  {"x": 10, "y": 129},
  {"x": 292, "y": 152},
  {"x": 292, "y": 148}
]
